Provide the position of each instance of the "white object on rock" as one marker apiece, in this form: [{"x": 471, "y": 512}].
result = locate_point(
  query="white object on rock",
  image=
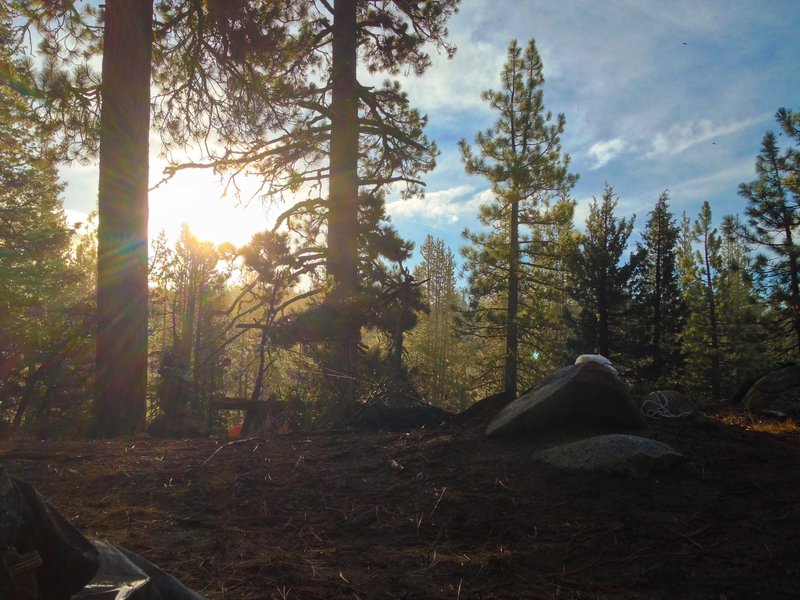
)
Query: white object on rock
[{"x": 596, "y": 358}]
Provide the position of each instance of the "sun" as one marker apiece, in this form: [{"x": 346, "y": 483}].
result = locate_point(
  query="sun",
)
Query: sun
[{"x": 198, "y": 199}]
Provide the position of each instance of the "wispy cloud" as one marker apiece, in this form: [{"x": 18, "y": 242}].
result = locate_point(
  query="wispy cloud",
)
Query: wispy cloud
[
  {"x": 694, "y": 190},
  {"x": 601, "y": 153},
  {"x": 682, "y": 136},
  {"x": 446, "y": 206}
]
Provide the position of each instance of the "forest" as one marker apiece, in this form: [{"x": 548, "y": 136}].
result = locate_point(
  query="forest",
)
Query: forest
[
  {"x": 324, "y": 328},
  {"x": 323, "y": 312}
]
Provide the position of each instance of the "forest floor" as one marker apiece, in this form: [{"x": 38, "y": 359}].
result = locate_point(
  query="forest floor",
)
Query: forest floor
[{"x": 437, "y": 513}]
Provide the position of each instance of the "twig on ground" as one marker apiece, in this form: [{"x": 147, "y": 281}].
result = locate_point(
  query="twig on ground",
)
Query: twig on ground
[{"x": 233, "y": 443}]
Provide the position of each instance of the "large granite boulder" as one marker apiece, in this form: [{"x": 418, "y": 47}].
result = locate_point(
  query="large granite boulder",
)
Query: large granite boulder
[
  {"x": 777, "y": 393},
  {"x": 613, "y": 453},
  {"x": 586, "y": 395}
]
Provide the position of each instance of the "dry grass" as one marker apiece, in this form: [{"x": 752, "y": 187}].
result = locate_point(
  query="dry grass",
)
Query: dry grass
[{"x": 762, "y": 424}]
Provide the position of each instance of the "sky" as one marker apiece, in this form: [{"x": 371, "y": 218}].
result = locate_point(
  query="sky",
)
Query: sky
[{"x": 658, "y": 95}]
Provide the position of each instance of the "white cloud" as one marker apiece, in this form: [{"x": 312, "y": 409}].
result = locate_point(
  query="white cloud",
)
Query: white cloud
[
  {"x": 442, "y": 207},
  {"x": 604, "y": 152},
  {"x": 682, "y": 136}
]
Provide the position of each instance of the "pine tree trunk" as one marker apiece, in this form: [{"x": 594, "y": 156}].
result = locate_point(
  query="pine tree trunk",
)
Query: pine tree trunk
[
  {"x": 602, "y": 322},
  {"x": 794, "y": 281},
  {"x": 121, "y": 351},
  {"x": 657, "y": 364},
  {"x": 343, "y": 200},
  {"x": 510, "y": 385},
  {"x": 712, "y": 320}
]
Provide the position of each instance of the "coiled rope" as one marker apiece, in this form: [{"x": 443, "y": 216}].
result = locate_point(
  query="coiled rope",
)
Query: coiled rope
[{"x": 656, "y": 406}]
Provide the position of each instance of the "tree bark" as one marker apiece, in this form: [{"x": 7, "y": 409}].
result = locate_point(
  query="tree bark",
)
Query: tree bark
[
  {"x": 121, "y": 352},
  {"x": 342, "y": 262},
  {"x": 512, "y": 335},
  {"x": 794, "y": 278},
  {"x": 716, "y": 392}
]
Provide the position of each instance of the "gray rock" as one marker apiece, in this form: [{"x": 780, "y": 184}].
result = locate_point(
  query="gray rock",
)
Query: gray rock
[
  {"x": 613, "y": 453},
  {"x": 582, "y": 395},
  {"x": 776, "y": 392}
]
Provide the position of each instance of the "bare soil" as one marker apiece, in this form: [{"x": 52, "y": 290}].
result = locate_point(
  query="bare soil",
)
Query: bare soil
[{"x": 436, "y": 513}]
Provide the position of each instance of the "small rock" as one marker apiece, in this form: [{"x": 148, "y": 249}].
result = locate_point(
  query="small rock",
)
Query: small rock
[{"x": 613, "y": 453}]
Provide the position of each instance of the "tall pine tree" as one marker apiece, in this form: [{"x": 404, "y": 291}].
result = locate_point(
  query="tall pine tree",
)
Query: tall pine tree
[
  {"x": 702, "y": 276},
  {"x": 658, "y": 305},
  {"x": 121, "y": 355},
  {"x": 773, "y": 212},
  {"x": 600, "y": 277},
  {"x": 44, "y": 318},
  {"x": 521, "y": 158}
]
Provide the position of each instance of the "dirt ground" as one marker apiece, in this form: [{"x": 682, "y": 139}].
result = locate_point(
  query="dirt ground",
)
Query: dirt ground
[{"x": 436, "y": 513}]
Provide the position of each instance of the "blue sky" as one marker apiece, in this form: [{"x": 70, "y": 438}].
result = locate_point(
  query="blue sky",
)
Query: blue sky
[{"x": 657, "y": 95}]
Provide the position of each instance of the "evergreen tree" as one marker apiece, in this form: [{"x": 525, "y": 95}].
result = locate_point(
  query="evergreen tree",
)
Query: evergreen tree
[
  {"x": 326, "y": 135},
  {"x": 44, "y": 321},
  {"x": 187, "y": 284},
  {"x": 658, "y": 306},
  {"x": 436, "y": 354},
  {"x": 773, "y": 212},
  {"x": 702, "y": 277},
  {"x": 600, "y": 280},
  {"x": 521, "y": 157},
  {"x": 743, "y": 336}
]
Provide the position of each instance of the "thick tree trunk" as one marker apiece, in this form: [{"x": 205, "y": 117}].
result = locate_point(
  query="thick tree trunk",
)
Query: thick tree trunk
[
  {"x": 512, "y": 341},
  {"x": 121, "y": 353},
  {"x": 343, "y": 194}
]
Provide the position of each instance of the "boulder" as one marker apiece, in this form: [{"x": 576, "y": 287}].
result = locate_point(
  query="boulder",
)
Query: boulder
[
  {"x": 776, "y": 393},
  {"x": 586, "y": 395},
  {"x": 613, "y": 453},
  {"x": 483, "y": 410}
]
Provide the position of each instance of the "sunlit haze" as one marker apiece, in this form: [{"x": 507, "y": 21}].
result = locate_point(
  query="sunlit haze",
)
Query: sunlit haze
[{"x": 196, "y": 198}]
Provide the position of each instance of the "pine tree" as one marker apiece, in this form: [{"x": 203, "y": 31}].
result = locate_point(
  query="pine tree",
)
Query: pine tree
[
  {"x": 187, "y": 283},
  {"x": 436, "y": 354},
  {"x": 773, "y": 212},
  {"x": 600, "y": 280},
  {"x": 658, "y": 306},
  {"x": 744, "y": 336},
  {"x": 43, "y": 325},
  {"x": 702, "y": 276},
  {"x": 308, "y": 126},
  {"x": 521, "y": 157}
]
